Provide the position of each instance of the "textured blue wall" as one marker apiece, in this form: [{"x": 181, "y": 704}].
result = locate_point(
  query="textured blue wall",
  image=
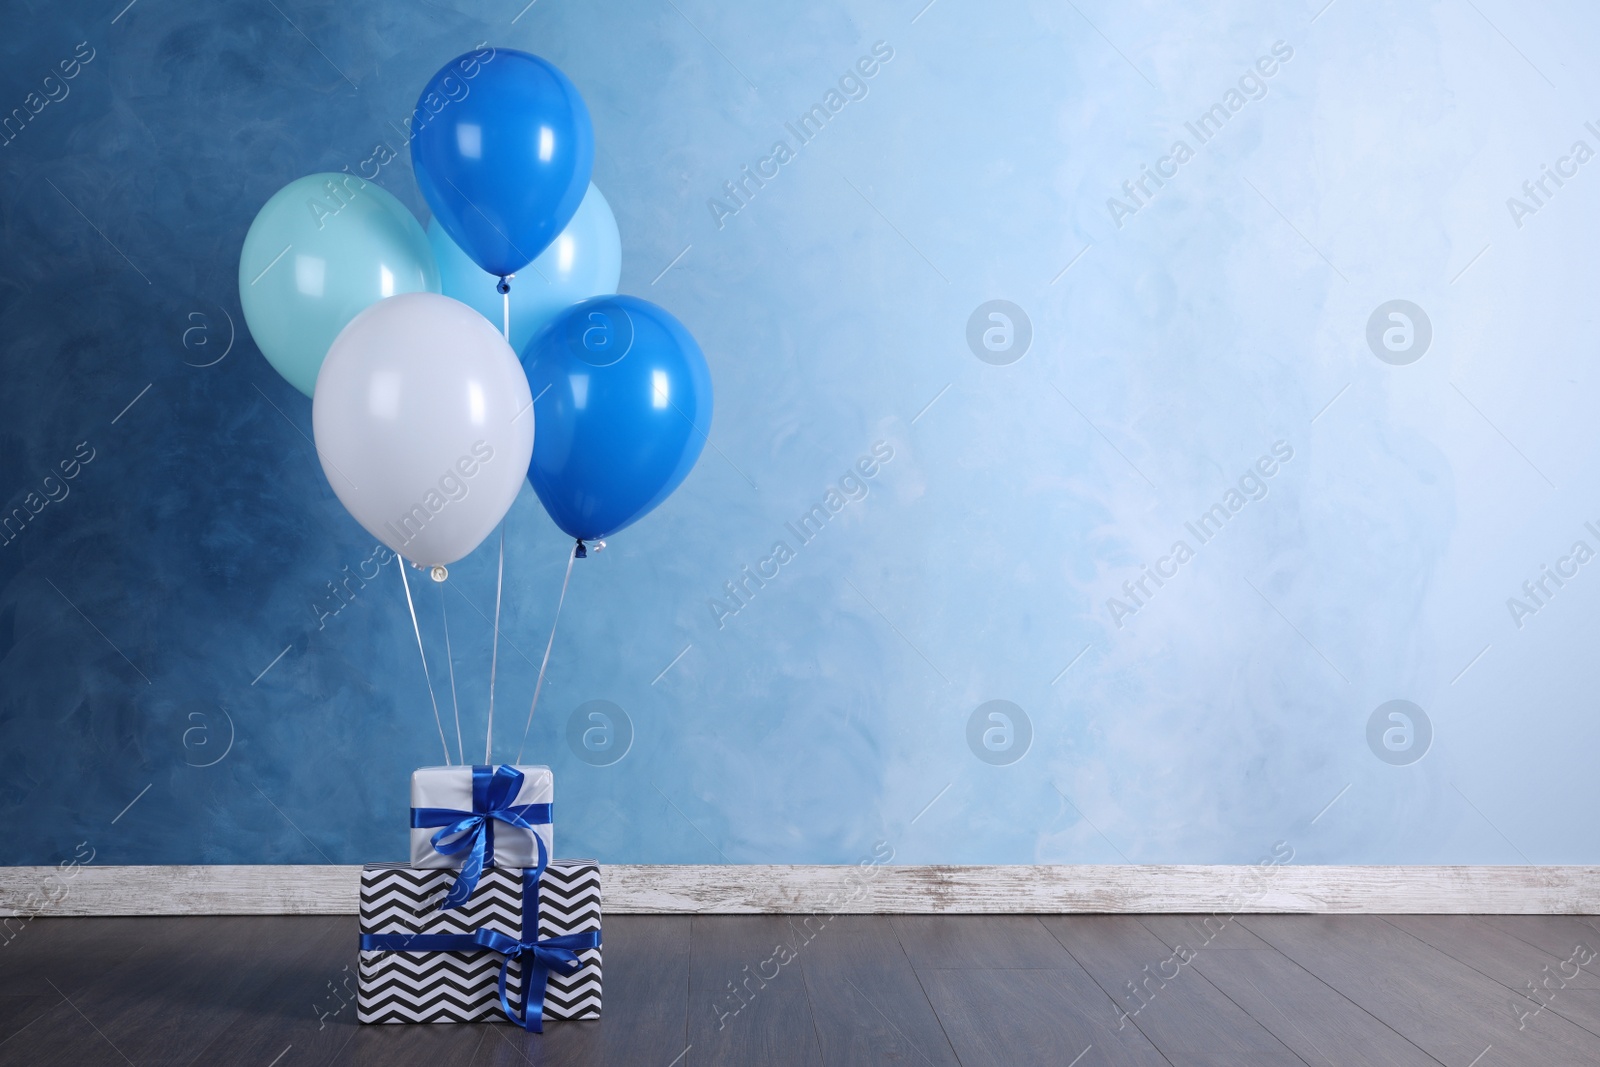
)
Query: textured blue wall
[{"x": 168, "y": 638}]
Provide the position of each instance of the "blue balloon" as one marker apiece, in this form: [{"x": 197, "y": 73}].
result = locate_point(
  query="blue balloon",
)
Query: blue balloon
[
  {"x": 624, "y": 406},
  {"x": 584, "y": 261},
  {"x": 502, "y": 148}
]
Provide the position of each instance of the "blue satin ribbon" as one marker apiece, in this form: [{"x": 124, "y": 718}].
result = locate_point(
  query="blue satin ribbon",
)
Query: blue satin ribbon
[
  {"x": 538, "y": 957},
  {"x": 493, "y": 790}
]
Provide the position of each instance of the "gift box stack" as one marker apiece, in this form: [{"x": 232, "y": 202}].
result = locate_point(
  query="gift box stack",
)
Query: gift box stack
[{"x": 482, "y": 925}]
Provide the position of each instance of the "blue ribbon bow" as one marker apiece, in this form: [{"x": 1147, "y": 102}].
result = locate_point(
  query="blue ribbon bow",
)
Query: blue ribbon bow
[
  {"x": 539, "y": 957},
  {"x": 493, "y": 790}
]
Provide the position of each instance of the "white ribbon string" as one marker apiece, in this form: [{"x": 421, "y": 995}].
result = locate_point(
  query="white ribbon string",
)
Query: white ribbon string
[
  {"x": 450, "y": 658},
  {"x": 546, "y": 661},
  {"x": 425, "y": 676},
  {"x": 494, "y": 655},
  {"x": 500, "y": 573}
]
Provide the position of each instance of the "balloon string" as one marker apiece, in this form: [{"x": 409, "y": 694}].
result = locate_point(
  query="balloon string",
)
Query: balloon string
[
  {"x": 425, "y": 676},
  {"x": 504, "y": 288},
  {"x": 494, "y": 655},
  {"x": 540, "y": 683},
  {"x": 450, "y": 658}
]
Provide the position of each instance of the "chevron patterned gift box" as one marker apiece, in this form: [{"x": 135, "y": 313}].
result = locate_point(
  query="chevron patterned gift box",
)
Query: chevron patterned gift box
[{"x": 469, "y": 964}]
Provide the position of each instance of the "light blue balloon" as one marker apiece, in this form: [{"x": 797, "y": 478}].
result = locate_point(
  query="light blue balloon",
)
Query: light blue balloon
[
  {"x": 322, "y": 250},
  {"x": 584, "y": 260}
]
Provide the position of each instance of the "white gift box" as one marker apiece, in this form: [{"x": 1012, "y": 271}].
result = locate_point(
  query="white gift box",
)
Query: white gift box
[{"x": 466, "y": 789}]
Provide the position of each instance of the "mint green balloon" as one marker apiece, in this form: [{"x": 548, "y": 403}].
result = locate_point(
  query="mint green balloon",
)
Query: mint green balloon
[{"x": 321, "y": 251}]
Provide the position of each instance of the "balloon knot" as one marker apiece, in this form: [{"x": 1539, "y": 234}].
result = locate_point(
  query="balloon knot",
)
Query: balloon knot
[
  {"x": 580, "y": 551},
  {"x": 504, "y": 287}
]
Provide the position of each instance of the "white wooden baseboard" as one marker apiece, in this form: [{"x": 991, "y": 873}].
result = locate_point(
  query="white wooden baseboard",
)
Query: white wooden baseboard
[{"x": 700, "y": 890}]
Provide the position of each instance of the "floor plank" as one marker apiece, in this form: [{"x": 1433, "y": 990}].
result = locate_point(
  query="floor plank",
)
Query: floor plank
[
  {"x": 1186, "y": 1017},
  {"x": 868, "y": 1003},
  {"x": 302, "y": 1008},
  {"x": 1218, "y": 932},
  {"x": 1005, "y": 991},
  {"x": 60, "y": 1036},
  {"x": 1033, "y": 1018},
  {"x": 1316, "y": 1022},
  {"x": 178, "y": 992},
  {"x": 946, "y": 991},
  {"x": 430, "y": 1045},
  {"x": 746, "y": 1004},
  {"x": 1497, "y": 954},
  {"x": 646, "y": 986},
  {"x": 1580, "y": 1006},
  {"x": 1557, "y": 935},
  {"x": 19, "y": 1012},
  {"x": 1444, "y": 1007},
  {"x": 980, "y": 942},
  {"x": 68, "y": 952}
]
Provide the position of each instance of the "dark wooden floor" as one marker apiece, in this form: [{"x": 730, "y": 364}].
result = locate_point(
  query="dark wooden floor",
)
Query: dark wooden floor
[{"x": 1012, "y": 990}]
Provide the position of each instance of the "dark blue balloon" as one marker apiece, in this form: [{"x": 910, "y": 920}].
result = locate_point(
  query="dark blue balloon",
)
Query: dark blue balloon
[
  {"x": 502, "y": 148},
  {"x": 622, "y": 409}
]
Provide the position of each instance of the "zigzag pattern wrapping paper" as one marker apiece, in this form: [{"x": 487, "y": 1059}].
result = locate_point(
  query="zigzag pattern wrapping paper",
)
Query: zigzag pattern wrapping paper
[{"x": 460, "y": 987}]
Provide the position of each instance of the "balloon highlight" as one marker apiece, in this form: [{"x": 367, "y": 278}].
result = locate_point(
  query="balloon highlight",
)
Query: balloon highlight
[
  {"x": 624, "y": 412},
  {"x": 504, "y": 164},
  {"x": 424, "y": 425},
  {"x": 584, "y": 261},
  {"x": 321, "y": 250}
]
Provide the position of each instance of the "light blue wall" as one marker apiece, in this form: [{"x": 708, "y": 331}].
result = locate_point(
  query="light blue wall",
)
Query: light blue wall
[{"x": 139, "y": 615}]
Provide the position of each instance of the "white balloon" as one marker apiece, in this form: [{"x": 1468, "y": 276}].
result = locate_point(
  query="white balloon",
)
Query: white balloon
[{"x": 424, "y": 425}]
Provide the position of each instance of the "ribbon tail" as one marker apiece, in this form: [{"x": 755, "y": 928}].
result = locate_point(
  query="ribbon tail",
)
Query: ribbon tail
[
  {"x": 531, "y": 1021},
  {"x": 467, "y": 879},
  {"x": 530, "y": 887},
  {"x": 533, "y": 1004}
]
